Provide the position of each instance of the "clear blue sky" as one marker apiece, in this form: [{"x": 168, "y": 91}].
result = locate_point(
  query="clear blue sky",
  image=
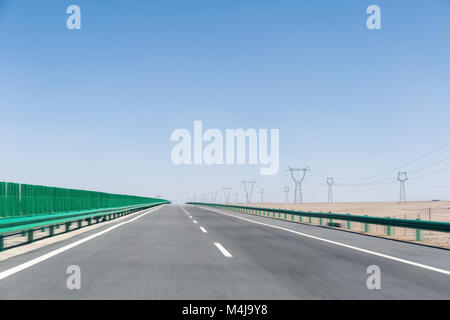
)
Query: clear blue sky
[{"x": 94, "y": 108}]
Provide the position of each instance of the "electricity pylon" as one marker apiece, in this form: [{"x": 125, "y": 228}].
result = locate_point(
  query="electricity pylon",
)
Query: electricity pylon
[
  {"x": 286, "y": 191},
  {"x": 330, "y": 182},
  {"x": 402, "y": 177},
  {"x": 248, "y": 193},
  {"x": 262, "y": 194},
  {"x": 226, "y": 194},
  {"x": 298, "y": 197}
]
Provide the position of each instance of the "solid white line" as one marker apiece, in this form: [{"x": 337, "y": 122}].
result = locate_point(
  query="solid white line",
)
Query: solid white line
[
  {"x": 203, "y": 229},
  {"x": 46, "y": 256},
  {"x": 195, "y": 222},
  {"x": 446, "y": 272},
  {"x": 223, "y": 250}
]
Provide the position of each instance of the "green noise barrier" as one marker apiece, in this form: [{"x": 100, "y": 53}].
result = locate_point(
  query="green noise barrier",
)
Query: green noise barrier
[{"x": 24, "y": 200}]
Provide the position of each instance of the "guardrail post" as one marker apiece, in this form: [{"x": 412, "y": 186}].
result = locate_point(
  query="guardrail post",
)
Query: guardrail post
[
  {"x": 349, "y": 226},
  {"x": 30, "y": 236},
  {"x": 301, "y": 218},
  {"x": 320, "y": 221},
  {"x": 51, "y": 231},
  {"x": 68, "y": 226},
  {"x": 366, "y": 226},
  {"x": 388, "y": 228},
  {"x": 418, "y": 235},
  {"x": 79, "y": 223},
  {"x": 309, "y": 219},
  {"x": 2, "y": 245},
  {"x": 331, "y": 220}
]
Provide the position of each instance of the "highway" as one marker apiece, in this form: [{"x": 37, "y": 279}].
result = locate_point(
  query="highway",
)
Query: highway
[{"x": 188, "y": 252}]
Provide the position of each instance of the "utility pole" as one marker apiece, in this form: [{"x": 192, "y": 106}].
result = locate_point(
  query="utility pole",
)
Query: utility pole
[
  {"x": 402, "y": 177},
  {"x": 262, "y": 194},
  {"x": 226, "y": 194},
  {"x": 330, "y": 182},
  {"x": 214, "y": 196},
  {"x": 298, "y": 180},
  {"x": 248, "y": 193},
  {"x": 286, "y": 191}
]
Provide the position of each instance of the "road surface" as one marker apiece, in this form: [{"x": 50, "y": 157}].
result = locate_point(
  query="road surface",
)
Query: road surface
[{"x": 188, "y": 252}]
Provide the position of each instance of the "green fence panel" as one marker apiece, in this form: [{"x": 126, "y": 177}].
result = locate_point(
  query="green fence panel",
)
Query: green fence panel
[{"x": 25, "y": 199}]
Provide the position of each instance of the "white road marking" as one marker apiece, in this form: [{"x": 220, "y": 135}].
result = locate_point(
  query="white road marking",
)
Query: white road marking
[
  {"x": 223, "y": 250},
  {"x": 443, "y": 271},
  {"x": 195, "y": 222},
  {"x": 185, "y": 211},
  {"x": 203, "y": 229},
  {"x": 53, "y": 253}
]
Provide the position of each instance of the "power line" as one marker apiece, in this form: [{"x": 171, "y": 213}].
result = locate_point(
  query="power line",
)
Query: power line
[
  {"x": 429, "y": 173},
  {"x": 404, "y": 164},
  {"x": 430, "y": 165}
]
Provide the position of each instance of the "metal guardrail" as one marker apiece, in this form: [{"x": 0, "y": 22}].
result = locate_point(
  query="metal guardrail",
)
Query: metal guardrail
[
  {"x": 29, "y": 224},
  {"x": 389, "y": 222}
]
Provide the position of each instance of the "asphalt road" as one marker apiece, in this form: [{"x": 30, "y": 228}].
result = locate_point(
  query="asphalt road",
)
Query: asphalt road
[{"x": 189, "y": 252}]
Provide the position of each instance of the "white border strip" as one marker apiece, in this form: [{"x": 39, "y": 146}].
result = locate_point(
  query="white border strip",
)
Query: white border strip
[{"x": 446, "y": 272}]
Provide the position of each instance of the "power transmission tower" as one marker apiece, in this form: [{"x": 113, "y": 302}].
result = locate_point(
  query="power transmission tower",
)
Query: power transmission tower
[
  {"x": 286, "y": 191},
  {"x": 226, "y": 194},
  {"x": 330, "y": 182},
  {"x": 402, "y": 177},
  {"x": 248, "y": 193},
  {"x": 262, "y": 194},
  {"x": 298, "y": 180}
]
